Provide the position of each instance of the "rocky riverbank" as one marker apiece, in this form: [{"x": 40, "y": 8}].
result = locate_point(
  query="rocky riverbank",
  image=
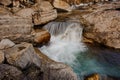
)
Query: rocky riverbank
[{"x": 20, "y": 60}]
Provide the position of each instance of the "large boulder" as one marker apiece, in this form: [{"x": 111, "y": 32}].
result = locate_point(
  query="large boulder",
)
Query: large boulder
[
  {"x": 44, "y": 17},
  {"x": 105, "y": 27},
  {"x": 54, "y": 70},
  {"x": 8, "y": 72},
  {"x": 20, "y": 29},
  {"x": 22, "y": 56},
  {"x": 59, "y": 4},
  {"x": 44, "y": 12}
]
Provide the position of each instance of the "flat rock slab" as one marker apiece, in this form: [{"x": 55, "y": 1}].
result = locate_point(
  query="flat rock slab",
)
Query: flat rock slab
[{"x": 10, "y": 24}]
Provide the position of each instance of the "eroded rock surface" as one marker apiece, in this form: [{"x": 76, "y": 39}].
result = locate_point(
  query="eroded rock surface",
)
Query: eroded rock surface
[{"x": 105, "y": 27}]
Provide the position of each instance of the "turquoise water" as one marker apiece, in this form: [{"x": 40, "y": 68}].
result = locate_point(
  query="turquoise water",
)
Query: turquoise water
[{"x": 96, "y": 60}]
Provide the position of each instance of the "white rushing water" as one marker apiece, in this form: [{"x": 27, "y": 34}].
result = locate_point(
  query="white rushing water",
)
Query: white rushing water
[{"x": 64, "y": 46}]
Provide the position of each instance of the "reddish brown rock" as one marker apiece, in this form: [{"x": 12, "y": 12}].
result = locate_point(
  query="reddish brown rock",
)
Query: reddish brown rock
[
  {"x": 41, "y": 36},
  {"x": 93, "y": 77}
]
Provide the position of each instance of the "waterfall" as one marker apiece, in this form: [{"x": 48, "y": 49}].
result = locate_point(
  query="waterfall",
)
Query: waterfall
[
  {"x": 65, "y": 42},
  {"x": 66, "y": 46}
]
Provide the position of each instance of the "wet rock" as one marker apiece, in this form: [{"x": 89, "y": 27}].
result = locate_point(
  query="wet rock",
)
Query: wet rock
[
  {"x": 8, "y": 72},
  {"x": 5, "y": 2},
  {"x": 6, "y": 43},
  {"x": 41, "y": 36},
  {"x": 2, "y": 57},
  {"x": 59, "y": 4},
  {"x": 22, "y": 56},
  {"x": 105, "y": 27}
]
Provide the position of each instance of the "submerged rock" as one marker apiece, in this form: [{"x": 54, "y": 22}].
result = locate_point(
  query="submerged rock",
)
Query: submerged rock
[{"x": 105, "y": 27}]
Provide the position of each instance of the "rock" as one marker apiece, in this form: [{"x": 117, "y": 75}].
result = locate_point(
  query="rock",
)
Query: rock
[
  {"x": 54, "y": 70},
  {"x": 8, "y": 72},
  {"x": 59, "y": 71},
  {"x": 106, "y": 6},
  {"x": 10, "y": 24},
  {"x": 1, "y": 57},
  {"x": 45, "y": 6},
  {"x": 34, "y": 73},
  {"x": 22, "y": 56},
  {"x": 19, "y": 29},
  {"x": 105, "y": 28},
  {"x": 15, "y": 28},
  {"x": 93, "y": 77},
  {"x": 4, "y": 11},
  {"x": 5, "y": 2},
  {"x": 44, "y": 17},
  {"x": 41, "y": 36},
  {"x": 97, "y": 76},
  {"x": 25, "y": 13},
  {"x": 59, "y": 4},
  {"x": 6, "y": 43}
]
